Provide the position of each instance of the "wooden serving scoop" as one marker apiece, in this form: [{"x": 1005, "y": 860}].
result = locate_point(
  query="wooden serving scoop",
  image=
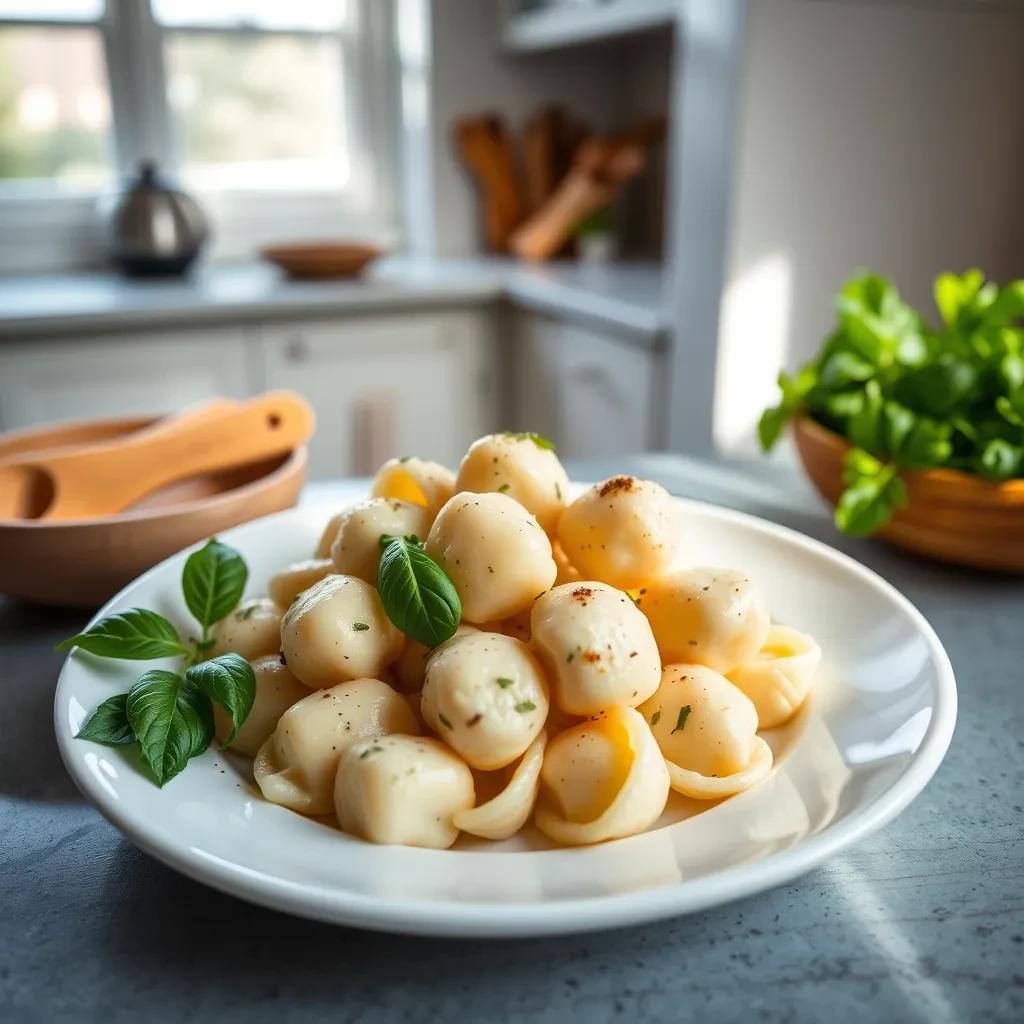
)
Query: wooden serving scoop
[{"x": 109, "y": 476}]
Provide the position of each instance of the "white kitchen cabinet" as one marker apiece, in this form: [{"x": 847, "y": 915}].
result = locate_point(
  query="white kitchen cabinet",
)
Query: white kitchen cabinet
[
  {"x": 124, "y": 374},
  {"x": 384, "y": 385},
  {"x": 592, "y": 392}
]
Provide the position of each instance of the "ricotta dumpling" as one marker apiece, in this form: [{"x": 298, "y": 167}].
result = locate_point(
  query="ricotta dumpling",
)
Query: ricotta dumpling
[
  {"x": 252, "y": 630},
  {"x": 780, "y": 675},
  {"x": 598, "y": 649},
  {"x": 296, "y": 767},
  {"x": 411, "y": 667},
  {"x": 338, "y": 630},
  {"x": 286, "y": 585},
  {"x": 623, "y": 531},
  {"x": 417, "y": 481},
  {"x": 706, "y": 729},
  {"x": 519, "y": 466},
  {"x": 276, "y": 691},
  {"x": 706, "y": 616},
  {"x": 507, "y": 811},
  {"x": 485, "y": 695},
  {"x": 602, "y": 779},
  {"x": 494, "y": 552},
  {"x": 326, "y": 541},
  {"x": 402, "y": 790},
  {"x": 356, "y": 550}
]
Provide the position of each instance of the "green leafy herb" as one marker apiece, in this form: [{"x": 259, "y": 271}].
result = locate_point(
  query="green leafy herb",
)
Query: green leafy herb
[
  {"x": 656, "y": 717},
  {"x": 910, "y": 396},
  {"x": 212, "y": 582},
  {"x": 526, "y": 705},
  {"x": 134, "y": 635},
  {"x": 171, "y": 715},
  {"x": 360, "y": 627},
  {"x": 539, "y": 440},
  {"x": 172, "y": 719},
  {"x": 108, "y": 724},
  {"x": 504, "y": 682},
  {"x": 228, "y": 680},
  {"x": 416, "y": 593},
  {"x": 684, "y": 714}
]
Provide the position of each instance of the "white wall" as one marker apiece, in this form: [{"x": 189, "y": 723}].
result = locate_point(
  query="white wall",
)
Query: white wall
[
  {"x": 469, "y": 74},
  {"x": 889, "y": 136}
]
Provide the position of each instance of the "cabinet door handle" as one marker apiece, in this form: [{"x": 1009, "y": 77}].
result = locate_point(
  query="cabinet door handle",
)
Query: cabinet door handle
[{"x": 296, "y": 351}]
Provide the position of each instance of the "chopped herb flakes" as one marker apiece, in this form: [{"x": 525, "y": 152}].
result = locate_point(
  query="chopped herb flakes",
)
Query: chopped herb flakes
[
  {"x": 569, "y": 657},
  {"x": 444, "y": 721},
  {"x": 370, "y": 750},
  {"x": 537, "y": 439},
  {"x": 656, "y": 717},
  {"x": 504, "y": 682},
  {"x": 526, "y": 705},
  {"x": 558, "y": 491},
  {"x": 684, "y": 714},
  {"x": 405, "y": 458},
  {"x": 504, "y": 488},
  {"x": 360, "y": 627},
  {"x": 244, "y": 613}
]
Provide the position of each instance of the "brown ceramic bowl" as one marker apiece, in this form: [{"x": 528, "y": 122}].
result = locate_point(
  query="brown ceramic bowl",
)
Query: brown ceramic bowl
[
  {"x": 83, "y": 562},
  {"x": 951, "y": 516},
  {"x": 320, "y": 259}
]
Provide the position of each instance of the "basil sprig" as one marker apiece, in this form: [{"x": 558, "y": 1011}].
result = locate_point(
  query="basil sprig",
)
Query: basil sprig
[
  {"x": 135, "y": 634},
  {"x": 417, "y": 594},
  {"x": 170, "y": 714},
  {"x": 911, "y": 396}
]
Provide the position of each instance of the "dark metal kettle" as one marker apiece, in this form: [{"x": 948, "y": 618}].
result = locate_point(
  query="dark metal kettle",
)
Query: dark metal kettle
[{"x": 153, "y": 228}]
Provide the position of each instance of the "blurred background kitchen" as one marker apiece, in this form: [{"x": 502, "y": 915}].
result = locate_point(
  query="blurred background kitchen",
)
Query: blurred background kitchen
[{"x": 609, "y": 221}]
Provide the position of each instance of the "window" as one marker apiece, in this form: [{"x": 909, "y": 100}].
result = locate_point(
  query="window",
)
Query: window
[{"x": 272, "y": 112}]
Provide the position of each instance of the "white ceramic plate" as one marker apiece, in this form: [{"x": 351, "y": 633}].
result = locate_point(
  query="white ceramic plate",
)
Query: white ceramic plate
[{"x": 875, "y": 733}]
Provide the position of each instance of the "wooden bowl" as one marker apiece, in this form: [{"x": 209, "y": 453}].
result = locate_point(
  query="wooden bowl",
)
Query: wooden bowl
[
  {"x": 952, "y": 516},
  {"x": 320, "y": 260},
  {"x": 81, "y": 563}
]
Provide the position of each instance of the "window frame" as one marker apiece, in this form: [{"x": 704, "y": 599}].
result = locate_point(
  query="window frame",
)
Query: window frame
[{"x": 64, "y": 231}]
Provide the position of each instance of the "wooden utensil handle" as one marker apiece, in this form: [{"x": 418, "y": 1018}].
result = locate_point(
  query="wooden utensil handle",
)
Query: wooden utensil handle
[{"x": 175, "y": 449}]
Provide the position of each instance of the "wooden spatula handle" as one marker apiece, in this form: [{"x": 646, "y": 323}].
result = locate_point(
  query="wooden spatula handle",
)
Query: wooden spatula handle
[{"x": 110, "y": 477}]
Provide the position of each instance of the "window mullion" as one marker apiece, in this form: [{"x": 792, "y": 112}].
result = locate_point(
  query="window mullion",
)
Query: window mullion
[{"x": 142, "y": 123}]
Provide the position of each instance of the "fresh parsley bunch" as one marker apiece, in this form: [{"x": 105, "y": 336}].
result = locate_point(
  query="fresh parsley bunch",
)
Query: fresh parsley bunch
[
  {"x": 170, "y": 714},
  {"x": 910, "y": 396}
]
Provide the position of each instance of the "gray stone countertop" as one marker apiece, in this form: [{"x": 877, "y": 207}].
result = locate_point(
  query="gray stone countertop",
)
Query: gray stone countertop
[
  {"x": 923, "y": 921},
  {"x": 624, "y": 298}
]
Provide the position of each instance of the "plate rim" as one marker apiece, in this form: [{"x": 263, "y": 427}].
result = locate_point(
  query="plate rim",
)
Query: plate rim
[{"x": 556, "y": 917}]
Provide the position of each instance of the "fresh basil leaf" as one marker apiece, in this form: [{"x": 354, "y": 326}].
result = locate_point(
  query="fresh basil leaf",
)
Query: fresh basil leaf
[
  {"x": 843, "y": 404},
  {"x": 858, "y": 463},
  {"x": 927, "y": 444},
  {"x": 1007, "y": 306},
  {"x": 1011, "y": 371},
  {"x": 842, "y": 369},
  {"x": 108, "y": 724},
  {"x": 417, "y": 594},
  {"x": 1011, "y": 407},
  {"x": 899, "y": 422},
  {"x": 937, "y": 389},
  {"x": 868, "y": 502},
  {"x": 212, "y": 581},
  {"x": 770, "y": 426},
  {"x": 955, "y": 295},
  {"x": 999, "y": 459},
  {"x": 132, "y": 635},
  {"x": 229, "y": 680},
  {"x": 172, "y": 719},
  {"x": 866, "y": 428}
]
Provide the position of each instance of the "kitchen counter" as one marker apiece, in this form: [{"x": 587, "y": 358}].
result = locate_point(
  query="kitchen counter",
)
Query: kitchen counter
[
  {"x": 923, "y": 921},
  {"x": 624, "y": 297}
]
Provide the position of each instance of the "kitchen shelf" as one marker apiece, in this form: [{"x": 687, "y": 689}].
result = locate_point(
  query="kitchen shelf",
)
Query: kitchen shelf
[{"x": 563, "y": 25}]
